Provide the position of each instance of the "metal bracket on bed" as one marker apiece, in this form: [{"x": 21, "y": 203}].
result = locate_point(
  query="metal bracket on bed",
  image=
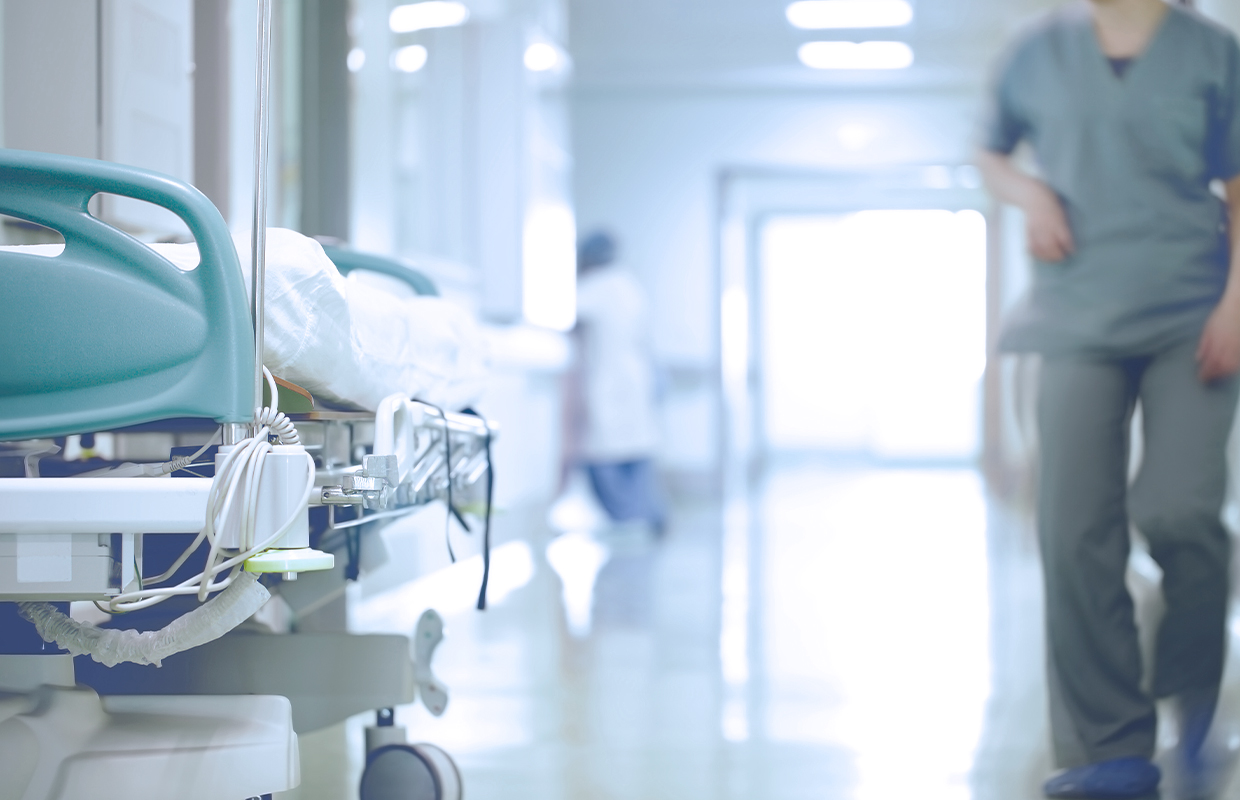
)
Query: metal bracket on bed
[
  {"x": 375, "y": 486},
  {"x": 339, "y": 440}
]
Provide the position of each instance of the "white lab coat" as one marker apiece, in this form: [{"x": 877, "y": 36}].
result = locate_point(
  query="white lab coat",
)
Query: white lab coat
[{"x": 619, "y": 382}]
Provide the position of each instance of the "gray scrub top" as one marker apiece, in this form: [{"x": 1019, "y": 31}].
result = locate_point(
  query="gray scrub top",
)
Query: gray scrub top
[{"x": 1132, "y": 159}]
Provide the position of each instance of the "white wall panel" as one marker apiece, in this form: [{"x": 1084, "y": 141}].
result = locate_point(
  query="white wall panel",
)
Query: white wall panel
[
  {"x": 147, "y": 98},
  {"x": 51, "y": 77}
]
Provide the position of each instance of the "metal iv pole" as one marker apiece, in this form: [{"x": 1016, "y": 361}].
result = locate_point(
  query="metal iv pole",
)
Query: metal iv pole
[{"x": 258, "y": 233}]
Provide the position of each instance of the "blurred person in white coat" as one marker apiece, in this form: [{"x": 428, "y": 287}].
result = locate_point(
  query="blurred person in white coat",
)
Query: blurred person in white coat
[{"x": 619, "y": 434}]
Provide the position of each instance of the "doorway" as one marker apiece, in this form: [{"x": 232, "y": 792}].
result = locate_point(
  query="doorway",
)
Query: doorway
[{"x": 871, "y": 335}]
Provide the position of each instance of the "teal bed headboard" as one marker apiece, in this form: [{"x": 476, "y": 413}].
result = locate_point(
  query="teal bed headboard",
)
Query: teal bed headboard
[{"x": 109, "y": 333}]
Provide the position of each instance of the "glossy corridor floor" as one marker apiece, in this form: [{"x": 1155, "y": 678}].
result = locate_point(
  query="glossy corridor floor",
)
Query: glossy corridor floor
[{"x": 868, "y": 634}]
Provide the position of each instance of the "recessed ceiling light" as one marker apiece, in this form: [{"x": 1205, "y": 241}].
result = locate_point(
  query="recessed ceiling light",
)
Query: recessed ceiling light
[
  {"x": 856, "y": 136},
  {"x": 541, "y": 57},
  {"x": 431, "y": 14},
  {"x": 856, "y": 55},
  {"x": 818, "y": 14},
  {"x": 409, "y": 59},
  {"x": 356, "y": 59}
]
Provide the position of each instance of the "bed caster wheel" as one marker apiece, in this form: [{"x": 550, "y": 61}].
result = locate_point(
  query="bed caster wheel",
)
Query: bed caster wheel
[{"x": 410, "y": 772}]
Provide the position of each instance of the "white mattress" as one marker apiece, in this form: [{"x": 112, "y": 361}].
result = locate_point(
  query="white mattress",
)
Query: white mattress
[{"x": 350, "y": 341}]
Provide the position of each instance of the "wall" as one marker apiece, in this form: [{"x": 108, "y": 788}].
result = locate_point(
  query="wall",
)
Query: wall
[
  {"x": 646, "y": 167},
  {"x": 451, "y": 160},
  {"x": 1225, "y": 11},
  {"x": 447, "y": 164},
  {"x": 111, "y": 81},
  {"x": 57, "y": 75}
]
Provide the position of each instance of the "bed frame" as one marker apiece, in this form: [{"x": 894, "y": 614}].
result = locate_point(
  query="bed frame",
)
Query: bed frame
[{"x": 110, "y": 337}]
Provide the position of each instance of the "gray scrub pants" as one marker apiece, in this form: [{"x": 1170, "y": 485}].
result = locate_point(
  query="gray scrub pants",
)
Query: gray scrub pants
[{"x": 1099, "y": 709}]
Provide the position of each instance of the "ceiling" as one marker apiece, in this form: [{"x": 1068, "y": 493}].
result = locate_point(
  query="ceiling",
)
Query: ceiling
[{"x": 749, "y": 44}]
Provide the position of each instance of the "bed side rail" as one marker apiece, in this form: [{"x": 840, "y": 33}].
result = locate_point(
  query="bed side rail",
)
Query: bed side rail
[{"x": 348, "y": 260}]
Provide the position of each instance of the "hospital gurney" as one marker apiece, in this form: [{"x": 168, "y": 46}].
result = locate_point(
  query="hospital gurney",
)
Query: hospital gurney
[{"x": 109, "y": 338}]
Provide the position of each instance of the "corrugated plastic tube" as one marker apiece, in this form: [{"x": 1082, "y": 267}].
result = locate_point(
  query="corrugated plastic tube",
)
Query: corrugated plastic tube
[{"x": 111, "y": 646}]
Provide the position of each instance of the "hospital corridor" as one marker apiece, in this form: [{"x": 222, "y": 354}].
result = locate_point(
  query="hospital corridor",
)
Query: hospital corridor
[
  {"x": 619, "y": 399},
  {"x": 772, "y": 648}
]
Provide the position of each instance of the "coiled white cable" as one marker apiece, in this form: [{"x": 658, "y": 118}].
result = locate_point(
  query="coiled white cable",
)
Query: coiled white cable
[
  {"x": 271, "y": 417},
  {"x": 279, "y": 424},
  {"x": 234, "y": 475},
  {"x": 237, "y": 481}
]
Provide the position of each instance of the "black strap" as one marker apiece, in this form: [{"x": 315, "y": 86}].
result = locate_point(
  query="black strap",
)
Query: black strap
[
  {"x": 353, "y": 546},
  {"x": 447, "y": 452},
  {"x": 486, "y": 530}
]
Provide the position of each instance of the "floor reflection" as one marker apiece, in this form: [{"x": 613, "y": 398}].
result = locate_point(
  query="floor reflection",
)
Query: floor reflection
[
  {"x": 875, "y": 623},
  {"x": 869, "y": 634}
]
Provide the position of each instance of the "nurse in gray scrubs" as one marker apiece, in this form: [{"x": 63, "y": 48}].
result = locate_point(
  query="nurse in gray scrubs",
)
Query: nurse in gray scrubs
[{"x": 1131, "y": 109}]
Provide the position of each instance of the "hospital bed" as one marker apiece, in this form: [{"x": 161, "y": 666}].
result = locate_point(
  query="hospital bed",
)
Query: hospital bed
[{"x": 112, "y": 342}]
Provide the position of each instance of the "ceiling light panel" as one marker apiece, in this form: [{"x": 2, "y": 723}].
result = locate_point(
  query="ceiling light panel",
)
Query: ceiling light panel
[
  {"x": 431, "y": 14},
  {"x": 856, "y": 55},
  {"x": 541, "y": 57},
  {"x": 409, "y": 59},
  {"x": 822, "y": 14}
]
